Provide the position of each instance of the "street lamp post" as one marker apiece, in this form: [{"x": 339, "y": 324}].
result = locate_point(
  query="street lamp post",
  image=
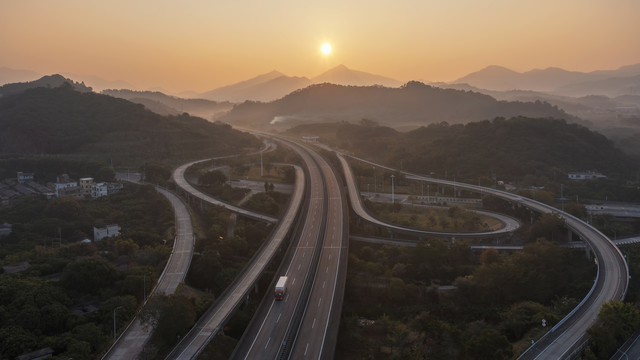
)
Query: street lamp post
[
  {"x": 392, "y": 190},
  {"x": 375, "y": 185}
]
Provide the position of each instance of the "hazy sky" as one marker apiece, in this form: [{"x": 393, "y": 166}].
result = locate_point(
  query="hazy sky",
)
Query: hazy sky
[{"x": 203, "y": 44}]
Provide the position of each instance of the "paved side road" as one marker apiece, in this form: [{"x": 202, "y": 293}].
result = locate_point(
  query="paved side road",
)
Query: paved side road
[{"x": 131, "y": 343}]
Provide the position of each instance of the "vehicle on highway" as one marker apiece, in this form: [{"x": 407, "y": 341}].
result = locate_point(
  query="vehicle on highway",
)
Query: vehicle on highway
[{"x": 281, "y": 288}]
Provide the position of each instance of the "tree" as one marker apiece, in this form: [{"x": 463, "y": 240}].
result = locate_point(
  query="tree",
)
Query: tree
[
  {"x": 15, "y": 341},
  {"x": 616, "y": 322},
  {"x": 171, "y": 316},
  {"x": 88, "y": 275},
  {"x": 215, "y": 177},
  {"x": 488, "y": 344},
  {"x": 156, "y": 173},
  {"x": 489, "y": 256},
  {"x": 548, "y": 226}
]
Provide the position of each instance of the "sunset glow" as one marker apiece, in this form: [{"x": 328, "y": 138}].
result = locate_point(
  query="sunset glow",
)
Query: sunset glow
[
  {"x": 200, "y": 45},
  {"x": 326, "y": 48}
]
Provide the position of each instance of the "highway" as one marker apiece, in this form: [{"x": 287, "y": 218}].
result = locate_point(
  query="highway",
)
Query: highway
[
  {"x": 210, "y": 323},
  {"x": 132, "y": 340},
  {"x": 317, "y": 335},
  {"x": 279, "y": 327},
  {"x": 611, "y": 282},
  {"x": 358, "y": 207}
]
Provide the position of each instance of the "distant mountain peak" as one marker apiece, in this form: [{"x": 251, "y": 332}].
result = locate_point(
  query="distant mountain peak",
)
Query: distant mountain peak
[{"x": 342, "y": 75}]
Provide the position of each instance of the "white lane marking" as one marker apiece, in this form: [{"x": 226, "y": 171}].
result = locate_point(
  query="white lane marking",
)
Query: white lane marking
[
  {"x": 319, "y": 302},
  {"x": 324, "y": 283},
  {"x": 314, "y": 323},
  {"x": 305, "y": 349},
  {"x": 278, "y": 320},
  {"x": 267, "y": 344}
]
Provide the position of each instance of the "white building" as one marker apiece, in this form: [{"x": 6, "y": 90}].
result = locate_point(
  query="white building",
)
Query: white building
[
  {"x": 5, "y": 229},
  {"x": 67, "y": 189},
  {"x": 104, "y": 232},
  {"x": 99, "y": 190},
  {"x": 588, "y": 175},
  {"x": 24, "y": 177}
]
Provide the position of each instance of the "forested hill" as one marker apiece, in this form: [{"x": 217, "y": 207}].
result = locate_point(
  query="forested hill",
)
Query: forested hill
[
  {"x": 64, "y": 121},
  {"x": 171, "y": 105},
  {"x": 507, "y": 149},
  {"x": 412, "y": 105},
  {"x": 49, "y": 81}
]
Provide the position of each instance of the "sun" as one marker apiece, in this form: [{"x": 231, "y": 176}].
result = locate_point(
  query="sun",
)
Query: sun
[{"x": 326, "y": 48}]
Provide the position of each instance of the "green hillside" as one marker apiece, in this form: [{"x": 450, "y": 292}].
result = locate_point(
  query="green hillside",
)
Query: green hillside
[
  {"x": 506, "y": 149},
  {"x": 63, "y": 121},
  {"x": 410, "y": 106}
]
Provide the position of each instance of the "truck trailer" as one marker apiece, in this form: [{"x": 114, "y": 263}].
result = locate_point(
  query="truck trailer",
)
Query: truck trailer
[{"x": 281, "y": 288}]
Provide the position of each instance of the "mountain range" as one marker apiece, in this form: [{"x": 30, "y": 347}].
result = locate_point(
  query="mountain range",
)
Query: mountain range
[
  {"x": 412, "y": 105},
  {"x": 274, "y": 85},
  {"x": 623, "y": 81},
  {"x": 163, "y": 104}
]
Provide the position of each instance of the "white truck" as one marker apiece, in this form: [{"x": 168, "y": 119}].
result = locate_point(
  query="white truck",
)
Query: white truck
[{"x": 281, "y": 288}]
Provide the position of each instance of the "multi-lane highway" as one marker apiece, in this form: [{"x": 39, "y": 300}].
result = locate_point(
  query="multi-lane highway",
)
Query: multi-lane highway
[
  {"x": 304, "y": 324},
  {"x": 317, "y": 335}
]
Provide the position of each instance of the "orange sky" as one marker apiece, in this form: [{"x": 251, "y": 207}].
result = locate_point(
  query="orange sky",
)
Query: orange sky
[{"x": 203, "y": 44}]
